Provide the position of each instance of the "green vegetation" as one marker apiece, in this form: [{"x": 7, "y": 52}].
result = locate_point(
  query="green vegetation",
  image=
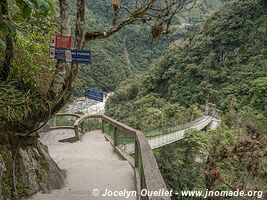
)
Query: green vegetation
[
  {"x": 22, "y": 91},
  {"x": 229, "y": 158},
  {"x": 110, "y": 64},
  {"x": 148, "y": 112},
  {"x": 222, "y": 60},
  {"x": 225, "y": 63}
]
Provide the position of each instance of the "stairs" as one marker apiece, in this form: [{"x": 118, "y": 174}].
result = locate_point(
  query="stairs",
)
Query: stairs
[{"x": 90, "y": 164}]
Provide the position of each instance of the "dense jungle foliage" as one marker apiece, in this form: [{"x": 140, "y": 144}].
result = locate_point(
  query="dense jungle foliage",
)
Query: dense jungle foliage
[
  {"x": 131, "y": 50},
  {"x": 225, "y": 63},
  {"x": 22, "y": 93},
  {"x": 232, "y": 157}
]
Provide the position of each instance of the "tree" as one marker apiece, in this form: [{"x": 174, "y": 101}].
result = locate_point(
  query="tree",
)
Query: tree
[
  {"x": 9, "y": 24},
  {"x": 23, "y": 106},
  {"x": 258, "y": 94}
]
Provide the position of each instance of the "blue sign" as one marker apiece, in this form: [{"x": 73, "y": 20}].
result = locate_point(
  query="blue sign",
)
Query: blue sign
[
  {"x": 73, "y": 56},
  {"x": 95, "y": 94},
  {"x": 81, "y": 56}
]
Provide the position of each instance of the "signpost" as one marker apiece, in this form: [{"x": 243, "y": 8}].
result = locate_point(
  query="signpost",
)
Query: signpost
[
  {"x": 95, "y": 94},
  {"x": 60, "y": 49}
]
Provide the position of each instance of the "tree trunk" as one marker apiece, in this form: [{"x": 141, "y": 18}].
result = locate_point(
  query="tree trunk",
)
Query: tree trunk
[{"x": 57, "y": 86}]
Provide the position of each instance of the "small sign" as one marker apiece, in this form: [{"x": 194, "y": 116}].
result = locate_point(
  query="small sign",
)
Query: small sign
[
  {"x": 60, "y": 54},
  {"x": 61, "y": 41},
  {"x": 68, "y": 56},
  {"x": 53, "y": 41},
  {"x": 52, "y": 52},
  {"x": 95, "y": 94},
  {"x": 72, "y": 56}
]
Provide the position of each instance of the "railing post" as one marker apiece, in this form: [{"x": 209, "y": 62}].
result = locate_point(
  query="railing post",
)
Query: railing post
[
  {"x": 143, "y": 185},
  {"x": 103, "y": 126},
  {"x": 115, "y": 136},
  {"x": 77, "y": 134},
  {"x": 136, "y": 155},
  {"x": 138, "y": 170},
  {"x": 82, "y": 128}
]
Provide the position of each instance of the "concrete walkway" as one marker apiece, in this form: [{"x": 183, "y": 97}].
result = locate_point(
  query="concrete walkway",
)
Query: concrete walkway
[{"x": 90, "y": 164}]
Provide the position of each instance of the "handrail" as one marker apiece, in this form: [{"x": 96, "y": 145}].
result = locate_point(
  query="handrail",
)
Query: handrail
[
  {"x": 145, "y": 164},
  {"x": 169, "y": 129},
  {"x": 66, "y": 115}
]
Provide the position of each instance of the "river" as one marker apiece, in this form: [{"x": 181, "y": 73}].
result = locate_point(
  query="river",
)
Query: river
[{"x": 87, "y": 106}]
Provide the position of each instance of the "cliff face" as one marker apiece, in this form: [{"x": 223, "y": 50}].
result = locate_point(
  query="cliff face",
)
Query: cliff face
[{"x": 35, "y": 171}]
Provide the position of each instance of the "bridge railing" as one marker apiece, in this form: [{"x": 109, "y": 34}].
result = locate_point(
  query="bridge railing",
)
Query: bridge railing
[
  {"x": 170, "y": 129},
  {"x": 147, "y": 173}
]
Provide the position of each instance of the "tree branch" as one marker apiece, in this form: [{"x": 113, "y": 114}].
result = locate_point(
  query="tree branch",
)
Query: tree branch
[{"x": 161, "y": 12}]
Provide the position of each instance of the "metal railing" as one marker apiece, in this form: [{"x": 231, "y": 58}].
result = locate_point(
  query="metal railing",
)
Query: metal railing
[{"x": 147, "y": 173}]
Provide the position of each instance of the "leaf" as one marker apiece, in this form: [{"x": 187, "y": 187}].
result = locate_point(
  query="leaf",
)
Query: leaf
[
  {"x": 30, "y": 3},
  {"x": 50, "y": 3},
  {"x": 11, "y": 29},
  {"x": 26, "y": 12},
  {"x": 43, "y": 5},
  {"x": 21, "y": 4},
  {"x": 23, "y": 32},
  {"x": 2, "y": 42},
  {"x": 3, "y": 27},
  {"x": 26, "y": 7}
]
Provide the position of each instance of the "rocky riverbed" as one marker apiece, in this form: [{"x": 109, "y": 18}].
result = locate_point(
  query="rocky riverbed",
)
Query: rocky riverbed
[{"x": 87, "y": 106}]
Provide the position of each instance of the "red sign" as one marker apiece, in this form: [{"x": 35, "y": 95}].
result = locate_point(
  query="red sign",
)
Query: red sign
[{"x": 60, "y": 41}]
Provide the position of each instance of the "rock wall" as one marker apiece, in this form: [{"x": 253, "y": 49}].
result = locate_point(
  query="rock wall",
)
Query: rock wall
[{"x": 35, "y": 171}]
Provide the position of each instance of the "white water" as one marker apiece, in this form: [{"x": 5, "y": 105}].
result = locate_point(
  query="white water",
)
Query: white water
[{"x": 87, "y": 106}]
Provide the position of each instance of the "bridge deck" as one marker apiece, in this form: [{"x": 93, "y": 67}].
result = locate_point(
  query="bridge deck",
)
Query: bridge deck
[{"x": 90, "y": 164}]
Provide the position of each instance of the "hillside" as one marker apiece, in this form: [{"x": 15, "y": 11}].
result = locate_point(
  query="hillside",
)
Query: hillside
[
  {"x": 222, "y": 60},
  {"x": 226, "y": 64},
  {"x": 132, "y": 50}
]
